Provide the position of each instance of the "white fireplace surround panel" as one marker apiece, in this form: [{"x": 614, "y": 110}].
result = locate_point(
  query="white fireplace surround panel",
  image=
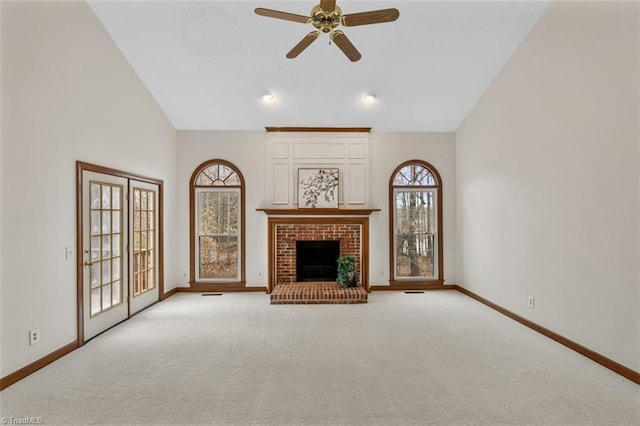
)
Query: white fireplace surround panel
[{"x": 290, "y": 151}]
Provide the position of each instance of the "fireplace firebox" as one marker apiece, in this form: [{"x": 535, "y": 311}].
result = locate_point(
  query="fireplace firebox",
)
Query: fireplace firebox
[{"x": 316, "y": 260}]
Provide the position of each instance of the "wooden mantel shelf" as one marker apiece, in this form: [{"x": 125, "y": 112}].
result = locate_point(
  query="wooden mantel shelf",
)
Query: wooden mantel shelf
[{"x": 318, "y": 212}]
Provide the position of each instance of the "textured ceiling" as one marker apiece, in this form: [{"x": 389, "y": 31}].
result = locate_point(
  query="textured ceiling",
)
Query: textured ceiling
[{"x": 206, "y": 62}]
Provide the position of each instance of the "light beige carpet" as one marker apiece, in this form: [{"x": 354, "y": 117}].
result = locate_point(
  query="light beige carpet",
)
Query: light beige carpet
[{"x": 433, "y": 358}]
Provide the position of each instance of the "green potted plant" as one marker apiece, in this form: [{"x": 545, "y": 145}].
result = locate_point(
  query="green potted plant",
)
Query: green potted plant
[{"x": 347, "y": 271}]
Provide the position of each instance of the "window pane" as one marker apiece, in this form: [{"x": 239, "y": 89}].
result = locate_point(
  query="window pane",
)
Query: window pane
[
  {"x": 217, "y": 175},
  {"x": 415, "y": 211},
  {"x": 219, "y": 257},
  {"x": 415, "y": 255},
  {"x": 218, "y": 212},
  {"x": 414, "y": 174},
  {"x": 415, "y": 233}
]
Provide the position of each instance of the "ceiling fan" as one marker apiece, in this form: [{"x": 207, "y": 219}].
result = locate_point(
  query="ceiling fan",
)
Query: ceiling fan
[{"x": 326, "y": 16}]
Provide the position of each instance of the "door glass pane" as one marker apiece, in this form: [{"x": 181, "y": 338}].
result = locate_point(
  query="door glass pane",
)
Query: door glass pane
[
  {"x": 95, "y": 248},
  {"x": 116, "y": 293},
  {"x": 106, "y": 246},
  {"x": 115, "y": 245},
  {"x": 106, "y": 272},
  {"x": 136, "y": 220},
  {"x": 95, "y": 222},
  {"x": 115, "y": 222},
  {"x": 95, "y": 196},
  {"x": 106, "y": 222},
  {"x": 106, "y": 296},
  {"x": 115, "y": 268},
  {"x": 95, "y": 275},
  {"x": 414, "y": 233},
  {"x": 106, "y": 196},
  {"x": 143, "y": 241},
  {"x": 115, "y": 192},
  {"x": 95, "y": 301}
]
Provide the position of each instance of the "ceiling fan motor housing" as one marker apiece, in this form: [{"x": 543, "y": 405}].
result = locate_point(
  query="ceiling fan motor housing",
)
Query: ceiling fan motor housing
[{"x": 325, "y": 21}]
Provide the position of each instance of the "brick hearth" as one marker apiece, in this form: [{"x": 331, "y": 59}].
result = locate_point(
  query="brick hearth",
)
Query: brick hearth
[{"x": 317, "y": 293}]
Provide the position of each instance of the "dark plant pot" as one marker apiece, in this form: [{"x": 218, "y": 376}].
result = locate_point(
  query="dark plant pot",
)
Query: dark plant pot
[{"x": 352, "y": 280}]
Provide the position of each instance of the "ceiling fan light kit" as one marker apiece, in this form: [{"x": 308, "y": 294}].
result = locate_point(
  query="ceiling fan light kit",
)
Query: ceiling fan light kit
[
  {"x": 266, "y": 96},
  {"x": 370, "y": 97},
  {"x": 326, "y": 17}
]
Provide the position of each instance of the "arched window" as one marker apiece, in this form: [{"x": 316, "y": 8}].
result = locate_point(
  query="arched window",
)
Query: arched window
[
  {"x": 415, "y": 205},
  {"x": 217, "y": 224}
]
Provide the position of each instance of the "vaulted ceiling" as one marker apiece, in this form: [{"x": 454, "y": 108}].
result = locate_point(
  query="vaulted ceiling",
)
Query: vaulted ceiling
[{"x": 207, "y": 62}]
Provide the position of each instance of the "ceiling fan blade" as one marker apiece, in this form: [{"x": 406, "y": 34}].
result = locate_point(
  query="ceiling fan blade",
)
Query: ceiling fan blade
[
  {"x": 345, "y": 45},
  {"x": 282, "y": 15},
  {"x": 304, "y": 43},
  {"x": 328, "y": 5},
  {"x": 371, "y": 17}
]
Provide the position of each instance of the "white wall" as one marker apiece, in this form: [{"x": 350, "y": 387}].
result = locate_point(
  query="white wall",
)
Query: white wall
[
  {"x": 67, "y": 94},
  {"x": 547, "y": 174},
  {"x": 247, "y": 150},
  {"x": 388, "y": 151}
]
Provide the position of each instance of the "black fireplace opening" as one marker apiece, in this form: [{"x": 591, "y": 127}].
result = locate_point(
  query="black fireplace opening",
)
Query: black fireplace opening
[{"x": 316, "y": 260}]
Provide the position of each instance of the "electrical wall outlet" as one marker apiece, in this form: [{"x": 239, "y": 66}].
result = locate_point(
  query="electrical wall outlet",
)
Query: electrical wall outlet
[
  {"x": 34, "y": 336},
  {"x": 531, "y": 302},
  {"x": 68, "y": 253}
]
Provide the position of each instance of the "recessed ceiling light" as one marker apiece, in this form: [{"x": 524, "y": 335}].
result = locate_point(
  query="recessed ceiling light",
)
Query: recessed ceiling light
[
  {"x": 370, "y": 97},
  {"x": 266, "y": 96}
]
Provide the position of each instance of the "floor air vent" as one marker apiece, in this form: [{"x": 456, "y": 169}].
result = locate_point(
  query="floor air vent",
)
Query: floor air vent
[
  {"x": 414, "y": 292},
  {"x": 211, "y": 294}
]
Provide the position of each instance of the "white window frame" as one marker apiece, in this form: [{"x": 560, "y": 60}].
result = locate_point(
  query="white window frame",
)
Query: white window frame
[
  {"x": 197, "y": 235},
  {"x": 436, "y": 200}
]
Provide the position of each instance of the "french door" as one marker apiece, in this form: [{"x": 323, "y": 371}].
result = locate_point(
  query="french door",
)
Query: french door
[
  {"x": 105, "y": 235},
  {"x": 143, "y": 285},
  {"x": 120, "y": 255}
]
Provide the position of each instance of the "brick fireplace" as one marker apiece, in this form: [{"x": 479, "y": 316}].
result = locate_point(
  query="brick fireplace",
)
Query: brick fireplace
[{"x": 351, "y": 231}]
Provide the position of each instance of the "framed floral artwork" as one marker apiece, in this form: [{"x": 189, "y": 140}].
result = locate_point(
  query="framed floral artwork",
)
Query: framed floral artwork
[{"x": 318, "y": 188}]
